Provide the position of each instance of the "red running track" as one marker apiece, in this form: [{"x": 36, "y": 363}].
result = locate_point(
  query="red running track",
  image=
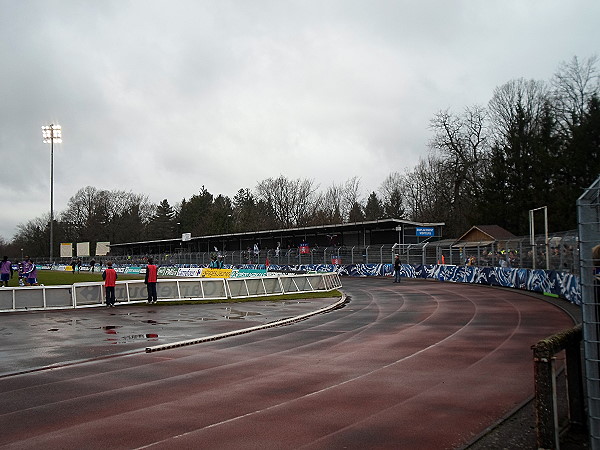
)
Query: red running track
[{"x": 416, "y": 365}]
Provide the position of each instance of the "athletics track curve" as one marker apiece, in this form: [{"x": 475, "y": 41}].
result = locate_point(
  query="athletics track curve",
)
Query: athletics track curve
[{"x": 416, "y": 365}]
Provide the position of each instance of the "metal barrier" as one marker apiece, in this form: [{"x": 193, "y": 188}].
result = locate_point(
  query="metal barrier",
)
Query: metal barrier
[
  {"x": 588, "y": 217},
  {"x": 560, "y": 251},
  {"x": 547, "y": 421},
  {"x": 92, "y": 294}
]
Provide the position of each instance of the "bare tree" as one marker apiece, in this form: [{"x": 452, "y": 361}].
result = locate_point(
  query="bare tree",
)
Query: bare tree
[
  {"x": 462, "y": 145},
  {"x": 95, "y": 214},
  {"x": 33, "y": 236},
  {"x": 572, "y": 89},
  {"x": 392, "y": 192},
  {"x": 292, "y": 202},
  {"x": 520, "y": 99},
  {"x": 337, "y": 201},
  {"x": 424, "y": 189}
]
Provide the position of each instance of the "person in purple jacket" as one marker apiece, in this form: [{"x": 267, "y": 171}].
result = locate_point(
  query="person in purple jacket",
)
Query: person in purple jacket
[
  {"x": 30, "y": 272},
  {"x": 6, "y": 271},
  {"x": 23, "y": 270}
]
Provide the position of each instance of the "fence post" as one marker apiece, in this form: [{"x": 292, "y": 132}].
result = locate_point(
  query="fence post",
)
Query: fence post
[
  {"x": 545, "y": 401},
  {"x": 545, "y": 385},
  {"x": 574, "y": 386}
]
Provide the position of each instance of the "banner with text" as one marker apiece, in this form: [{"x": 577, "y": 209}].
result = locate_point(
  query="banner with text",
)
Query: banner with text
[{"x": 216, "y": 273}]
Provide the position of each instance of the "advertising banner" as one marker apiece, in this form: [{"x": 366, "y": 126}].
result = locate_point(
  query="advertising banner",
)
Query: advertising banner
[
  {"x": 247, "y": 273},
  {"x": 189, "y": 272},
  {"x": 167, "y": 271},
  {"x": 216, "y": 273}
]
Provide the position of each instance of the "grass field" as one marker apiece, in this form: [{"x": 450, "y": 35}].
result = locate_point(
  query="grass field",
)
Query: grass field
[{"x": 53, "y": 277}]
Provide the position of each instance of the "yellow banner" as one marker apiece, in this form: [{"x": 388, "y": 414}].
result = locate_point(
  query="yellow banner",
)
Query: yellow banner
[{"x": 216, "y": 273}]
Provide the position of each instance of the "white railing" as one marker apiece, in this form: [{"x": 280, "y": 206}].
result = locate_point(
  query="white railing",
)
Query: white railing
[{"x": 132, "y": 291}]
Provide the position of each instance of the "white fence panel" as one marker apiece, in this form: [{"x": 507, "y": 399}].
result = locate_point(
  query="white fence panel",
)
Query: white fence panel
[{"x": 92, "y": 294}]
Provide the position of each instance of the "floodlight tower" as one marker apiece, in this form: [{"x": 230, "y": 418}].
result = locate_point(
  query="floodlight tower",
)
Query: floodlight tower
[{"x": 52, "y": 134}]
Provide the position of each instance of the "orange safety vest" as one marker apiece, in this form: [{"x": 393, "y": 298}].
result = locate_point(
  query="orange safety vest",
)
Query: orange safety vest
[
  {"x": 152, "y": 273},
  {"x": 110, "y": 278}
]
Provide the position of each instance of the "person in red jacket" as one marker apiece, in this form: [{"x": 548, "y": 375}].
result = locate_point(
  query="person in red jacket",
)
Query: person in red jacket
[
  {"x": 110, "y": 281},
  {"x": 151, "y": 279}
]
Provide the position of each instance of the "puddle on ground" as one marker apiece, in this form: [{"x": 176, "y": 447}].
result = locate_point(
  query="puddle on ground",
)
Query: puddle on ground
[
  {"x": 110, "y": 329},
  {"x": 236, "y": 314}
]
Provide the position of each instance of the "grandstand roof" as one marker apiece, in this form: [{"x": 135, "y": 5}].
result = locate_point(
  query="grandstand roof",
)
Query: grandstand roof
[
  {"x": 373, "y": 225},
  {"x": 485, "y": 233}
]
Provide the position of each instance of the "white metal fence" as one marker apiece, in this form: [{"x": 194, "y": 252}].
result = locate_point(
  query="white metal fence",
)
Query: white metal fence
[{"x": 92, "y": 294}]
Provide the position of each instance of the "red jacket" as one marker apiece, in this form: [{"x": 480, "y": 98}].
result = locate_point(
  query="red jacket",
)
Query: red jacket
[
  {"x": 151, "y": 273},
  {"x": 110, "y": 277}
]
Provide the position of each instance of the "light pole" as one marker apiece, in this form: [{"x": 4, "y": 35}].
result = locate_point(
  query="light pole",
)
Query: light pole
[{"x": 52, "y": 134}]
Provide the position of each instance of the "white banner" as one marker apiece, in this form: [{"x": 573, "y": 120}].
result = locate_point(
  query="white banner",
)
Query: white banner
[
  {"x": 189, "y": 272},
  {"x": 66, "y": 250},
  {"x": 102, "y": 248},
  {"x": 83, "y": 249}
]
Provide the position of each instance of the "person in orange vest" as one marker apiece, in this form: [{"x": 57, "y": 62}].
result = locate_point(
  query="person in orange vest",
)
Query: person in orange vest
[
  {"x": 150, "y": 280},
  {"x": 110, "y": 281}
]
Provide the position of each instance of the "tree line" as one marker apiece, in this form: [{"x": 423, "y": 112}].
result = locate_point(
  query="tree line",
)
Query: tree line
[{"x": 536, "y": 143}]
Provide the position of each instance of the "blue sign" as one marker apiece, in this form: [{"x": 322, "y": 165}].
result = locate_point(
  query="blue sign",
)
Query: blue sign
[{"x": 425, "y": 231}]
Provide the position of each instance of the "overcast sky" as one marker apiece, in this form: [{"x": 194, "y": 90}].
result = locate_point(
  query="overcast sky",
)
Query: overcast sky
[{"x": 162, "y": 97}]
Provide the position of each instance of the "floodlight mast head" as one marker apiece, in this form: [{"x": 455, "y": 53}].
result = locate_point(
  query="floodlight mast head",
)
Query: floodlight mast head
[{"x": 52, "y": 134}]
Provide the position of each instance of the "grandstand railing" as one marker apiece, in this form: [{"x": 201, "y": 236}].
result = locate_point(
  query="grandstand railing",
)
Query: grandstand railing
[{"x": 132, "y": 291}]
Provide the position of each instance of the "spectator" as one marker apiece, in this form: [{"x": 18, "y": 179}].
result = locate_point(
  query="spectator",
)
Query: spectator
[
  {"x": 110, "y": 281},
  {"x": 6, "y": 271},
  {"x": 23, "y": 270},
  {"x": 31, "y": 274},
  {"x": 151, "y": 280},
  {"x": 397, "y": 269}
]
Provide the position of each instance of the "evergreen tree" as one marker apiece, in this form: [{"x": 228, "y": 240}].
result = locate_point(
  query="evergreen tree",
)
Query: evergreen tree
[
  {"x": 393, "y": 207},
  {"x": 580, "y": 165},
  {"x": 195, "y": 213},
  {"x": 356, "y": 213},
  {"x": 162, "y": 224},
  {"x": 374, "y": 209}
]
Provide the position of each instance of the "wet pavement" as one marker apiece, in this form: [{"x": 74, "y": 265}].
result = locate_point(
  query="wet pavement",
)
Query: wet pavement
[
  {"x": 419, "y": 365},
  {"x": 34, "y": 340}
]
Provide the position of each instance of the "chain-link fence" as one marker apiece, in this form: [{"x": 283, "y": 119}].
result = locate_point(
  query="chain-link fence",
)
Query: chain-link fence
[
  {"x": 559, "y": 252},
  {"x": 588, "y": 212}
]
